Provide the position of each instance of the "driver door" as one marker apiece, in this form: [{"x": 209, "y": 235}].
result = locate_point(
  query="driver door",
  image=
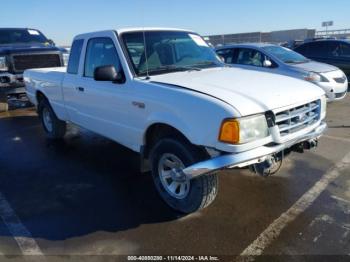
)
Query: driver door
[{"x": 105, "y": 107}]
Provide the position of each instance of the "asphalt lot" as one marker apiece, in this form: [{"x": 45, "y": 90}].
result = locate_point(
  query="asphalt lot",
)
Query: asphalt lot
[{"x": 85, "y": 196}]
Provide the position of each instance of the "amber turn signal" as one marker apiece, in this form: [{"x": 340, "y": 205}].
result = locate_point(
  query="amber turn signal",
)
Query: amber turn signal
[{"x": 229, "y": 132}]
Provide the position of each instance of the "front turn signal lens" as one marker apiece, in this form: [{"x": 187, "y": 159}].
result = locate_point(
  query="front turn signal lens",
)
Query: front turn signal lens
[{"x": 229, "y": 131}]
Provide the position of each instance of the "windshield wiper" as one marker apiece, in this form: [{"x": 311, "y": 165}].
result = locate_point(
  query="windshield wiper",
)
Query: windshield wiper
[
  {"x": 296, "y": 62},
  {"x": 206, "y": 63},
  {"x": 173, "y": 68},
  {"x": 209, "y": 64}
]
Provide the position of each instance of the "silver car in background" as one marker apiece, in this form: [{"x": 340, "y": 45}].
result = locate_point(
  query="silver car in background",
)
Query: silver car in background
[{"x": 281, "y": 60}]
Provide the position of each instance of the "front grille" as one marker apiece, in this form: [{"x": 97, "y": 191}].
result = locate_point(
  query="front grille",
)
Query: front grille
[
  {"x": 297, "y": 118},
  {"x": 340, "y": 80},
  {"x": 23, "y": 62},
  {"x": 339, "y": 95}
]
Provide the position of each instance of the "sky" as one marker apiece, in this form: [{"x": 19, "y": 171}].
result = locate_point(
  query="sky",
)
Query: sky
[{"x": 61, "y": 20}]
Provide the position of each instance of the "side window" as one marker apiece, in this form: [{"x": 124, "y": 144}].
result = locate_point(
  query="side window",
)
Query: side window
[
  {"x": 345, "y": 50},
  {"x": 74, "y": 57},
  {"x": 251, "y": 57},
  {"x": 318, "y": 49},
  {"x": 339, "y": 50},
  {"x": 303, "y": 49},
  {"x": 227, "y": 55},
  {"x": 100, "y": 52},
  {"x": 334, "y": 49}
]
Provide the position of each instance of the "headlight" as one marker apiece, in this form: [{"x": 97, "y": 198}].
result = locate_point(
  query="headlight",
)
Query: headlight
[
  {"x": 65, "y": 58},
  {"x": 315, "y": 77},
  {"x": 243, "y": 130},
  {"x": 345, "y": 77},
  {"x": 3, "y": 65},
  {"x": 323, "y": 106}
]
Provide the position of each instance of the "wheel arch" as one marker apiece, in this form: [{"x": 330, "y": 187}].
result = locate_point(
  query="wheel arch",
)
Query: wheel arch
[
  {"x": 39, "y": 95},
  {"x": 157, "y": 130}
]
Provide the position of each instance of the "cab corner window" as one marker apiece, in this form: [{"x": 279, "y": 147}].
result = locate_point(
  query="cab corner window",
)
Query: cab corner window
[
  {"x": 100, "y": 52},
  {"x": 74, "y": 57}
]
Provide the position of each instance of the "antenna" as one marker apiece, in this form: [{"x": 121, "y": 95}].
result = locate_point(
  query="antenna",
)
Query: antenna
[
  {"x": 142, "y": 7},
  {"x": 145, "y": 49}
]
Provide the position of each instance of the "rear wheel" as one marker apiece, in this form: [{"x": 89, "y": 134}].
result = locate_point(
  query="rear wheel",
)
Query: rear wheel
[
  {"x": 53, "y": 127},
  {"x": 168, "y": 157}
]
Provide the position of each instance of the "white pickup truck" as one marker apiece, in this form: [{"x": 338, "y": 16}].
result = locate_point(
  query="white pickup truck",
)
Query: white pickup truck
[{"x": 166, "y": 95}]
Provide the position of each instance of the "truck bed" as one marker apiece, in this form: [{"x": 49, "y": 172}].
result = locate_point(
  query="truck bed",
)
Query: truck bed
[{"x": 49, "y": 79}]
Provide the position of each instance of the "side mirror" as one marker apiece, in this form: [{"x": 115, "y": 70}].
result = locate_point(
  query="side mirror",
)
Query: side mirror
[
  {"x": 106, "y": 73},
  {"x": 267, "y": 63},
  {"x": 51, "y": 42}
]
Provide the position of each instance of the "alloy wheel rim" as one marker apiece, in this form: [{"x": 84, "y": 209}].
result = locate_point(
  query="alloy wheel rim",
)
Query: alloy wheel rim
[
  {"x": 173, "y": 180},
  {"x": 47, "y": 120}
]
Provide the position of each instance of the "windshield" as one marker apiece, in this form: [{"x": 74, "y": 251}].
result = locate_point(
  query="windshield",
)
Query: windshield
[
  {"x": 17, "y": 36},
  {"x": 168, "y": 51},
  {"x": 286, "y": 55}
]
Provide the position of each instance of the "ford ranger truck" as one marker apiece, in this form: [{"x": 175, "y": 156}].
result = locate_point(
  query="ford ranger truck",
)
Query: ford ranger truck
[
  {"x": 20, "y": 49},
  {"x": 165, "y": 94}
]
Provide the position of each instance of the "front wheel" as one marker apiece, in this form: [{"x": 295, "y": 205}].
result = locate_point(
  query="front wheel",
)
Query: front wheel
[{"x": 168, "y": 157}]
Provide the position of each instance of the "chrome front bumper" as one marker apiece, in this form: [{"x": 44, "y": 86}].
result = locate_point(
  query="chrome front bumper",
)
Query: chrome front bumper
[
  {"x": 11, "y": 84},
  {"x": 234, "y": 160}
]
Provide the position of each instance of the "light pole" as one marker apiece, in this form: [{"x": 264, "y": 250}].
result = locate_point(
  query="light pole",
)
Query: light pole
[{"x": 327, "y": 24}]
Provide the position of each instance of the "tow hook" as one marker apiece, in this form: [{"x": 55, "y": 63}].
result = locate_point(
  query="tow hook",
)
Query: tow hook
[
  {"x": 308, "y": 145},
  {"x": 270, "y": 166},
  {"x": 273, "y": 163}
]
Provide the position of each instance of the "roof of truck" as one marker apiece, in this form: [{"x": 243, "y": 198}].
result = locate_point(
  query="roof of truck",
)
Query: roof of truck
[
  {"x": 132, "y": 29},
  {"x": 135, "y": 29}
]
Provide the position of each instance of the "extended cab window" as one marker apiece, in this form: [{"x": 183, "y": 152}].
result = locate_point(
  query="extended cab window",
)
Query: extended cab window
[
  {"x": 100, "y": 52},
  {"x": 74, "y": 57}
]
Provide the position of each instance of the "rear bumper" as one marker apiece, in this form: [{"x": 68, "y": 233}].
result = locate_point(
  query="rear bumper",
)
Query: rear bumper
[{"x": 238, "y": 159}]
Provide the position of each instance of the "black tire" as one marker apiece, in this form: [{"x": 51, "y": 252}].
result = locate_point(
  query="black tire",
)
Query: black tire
[
  {"x": 58, "y": 129},
  {"x": 4, "y": 107},
  {"x": 202, "y": 190}
]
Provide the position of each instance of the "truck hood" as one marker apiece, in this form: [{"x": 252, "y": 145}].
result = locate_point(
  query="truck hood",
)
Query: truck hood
[
  {"x": 249, "y": 92},
  {"x": 313, "y": 66},
  {"x": 26, "y": 48}
]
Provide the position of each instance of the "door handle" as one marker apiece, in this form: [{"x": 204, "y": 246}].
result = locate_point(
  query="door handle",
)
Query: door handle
[{"x": 80, "y": 89}]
